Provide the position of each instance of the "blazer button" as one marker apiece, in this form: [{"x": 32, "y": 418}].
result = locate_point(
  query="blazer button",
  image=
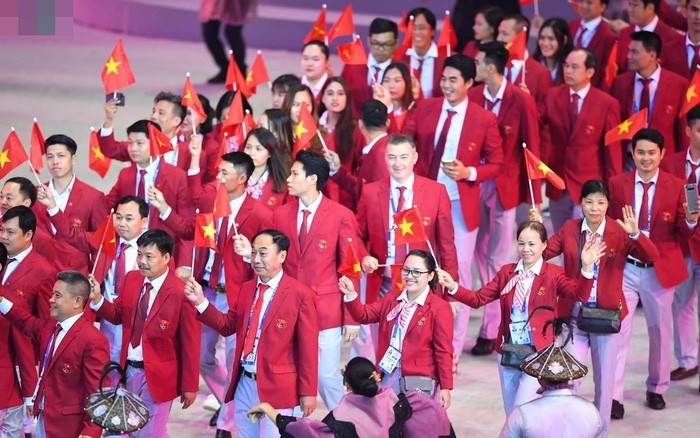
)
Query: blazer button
[{"x": 533, "y": 329}]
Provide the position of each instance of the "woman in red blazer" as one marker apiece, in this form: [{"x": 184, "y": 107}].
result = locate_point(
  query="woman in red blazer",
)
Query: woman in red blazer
[
  {"x": 268, "y": 183},
  {"x": 398, "y": 92},
  {"x": 415, "y": 325},
  {"x": 553, "y": 46},
  {"x": 522, "y": 287},
  {"x": 485, "y": 28}
]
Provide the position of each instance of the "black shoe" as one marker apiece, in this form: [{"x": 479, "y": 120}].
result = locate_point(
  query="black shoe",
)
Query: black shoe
[
  {"x": 681, "y": 373},
  {"x": 220, "y": 433},
  {"x": 655, "y": 401},
  {"x": 27, "y": 435},
  {"x": 220, "y": 78},
  {"x": 483, "y": 347},
  {"x": 214, "y": 418},
  {"x": 618, "y": 410}
]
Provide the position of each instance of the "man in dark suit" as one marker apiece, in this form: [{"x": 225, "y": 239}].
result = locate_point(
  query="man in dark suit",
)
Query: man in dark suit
[
  {"x": 594, "y": 34},
  {"x": 276, "y": 324},
  {"x": 658, "y": 199},
  {"x": 74, "y": 354}
]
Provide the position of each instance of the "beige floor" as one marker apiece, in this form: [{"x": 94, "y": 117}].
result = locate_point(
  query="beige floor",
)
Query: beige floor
[{"x": 57, "y": 80}]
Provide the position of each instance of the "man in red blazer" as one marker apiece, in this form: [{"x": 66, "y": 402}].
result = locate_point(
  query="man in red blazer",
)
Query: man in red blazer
[
  {"x": 663, "y": 97},
  {"x": 692, "y": 37},
  {"x": 382, "y": 40},
  {"x": 595, "y": 34},
  {"x": 161, "y": 338},
  {"x": 423, "y": 59},
  {"x": 576, "y": 150},
  {"x": 277, "y": 345},
  {"x": 518, "y": 123},
  {"x": 74, "y": 353},
  {"x": 146, "y": 172},
  {"x": 658, "y": 200},
  {"x": 684, "y": 165},
  {"x": 642, "y": 14}
]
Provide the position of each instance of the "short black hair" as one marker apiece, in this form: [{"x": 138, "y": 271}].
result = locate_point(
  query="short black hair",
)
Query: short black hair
[
  {"x": 693, "y": 114},
  {"x": 314, "y": 164},
  {"x": 143, "y": 205},
  {"x": 493, "y": 16},
  {"x": 241, "y": 162},
  {"x": 79, "y": 285},
  {"x": 278, "y": 238},
  {"x": 382, "y": 25},
  {"x": 521, "y": 22},
  {"x": 26, "y": 188},
  {"x": 61, "y": 139},
  {"x": 656, "y": 3},
  {"x": 25, "y": 216},
  {"x": 648, "y": 134},
  {"x": 374, "y": 115},
  {"x": 321, "y": 45},
  {"x": 465, "y": 64},
  {"x": 285, "y": 82},
  {"x": 160, "y": 238},
  {"x": 591, "y": 61},
  {"x": 594, "y": 186},
  {"x": 425, "y": 12},
  {"x": 176, "y": 100},
  {"x": 141, "y": 126},
  {"x": 496, "y": 54},
  {"x": 650, "y": 41}
]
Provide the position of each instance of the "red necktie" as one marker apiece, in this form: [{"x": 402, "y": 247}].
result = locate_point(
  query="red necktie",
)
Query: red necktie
[
  {"x": 644, "y": 208},
  {"x": 120, "y": 268},
  {"x": 696, "y": 59},
  {"x": 141, "y": 188},
  {"x": 644, "y": 97},
  {"x": 420, "y": 68},
  {"x": 491, "y": 105},
  {"x": 4, "y": 269},
  {"x": 304, "y": 229},
  {"x": 400, "y": 249},
  {"x": 140, "y": 318},
  {"x": 579, "y": 39},
  {"x": 254, "y": 321},
  {"x": 440, "y": 147},
  {"x": 692, "y": 177},
  {"x": 376, "y": 73},
  {"x": 48, "y": 355},
  {"x": 221, "y": 238},
  {"x": 573, "y": 109}
]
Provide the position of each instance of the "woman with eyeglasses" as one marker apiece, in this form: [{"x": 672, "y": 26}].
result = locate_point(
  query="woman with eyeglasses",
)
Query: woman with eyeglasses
[
  {"x": 521, "y": 288},
  {"x": 415, "y": 329}
]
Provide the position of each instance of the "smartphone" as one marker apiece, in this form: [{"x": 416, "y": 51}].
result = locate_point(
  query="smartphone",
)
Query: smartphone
[
  {"x": 116, "y": 95},
  {"x": 448, "y": 163},
  {"x": 691, "y": 197}
]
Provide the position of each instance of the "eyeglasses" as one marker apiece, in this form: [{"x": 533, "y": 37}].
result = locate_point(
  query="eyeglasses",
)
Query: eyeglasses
[
  {"x": 415, "y": 273},
  {"x": 382, "y": 46}
]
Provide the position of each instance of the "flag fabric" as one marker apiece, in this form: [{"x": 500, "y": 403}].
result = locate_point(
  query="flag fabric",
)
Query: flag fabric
[
  {"x": 36, "y": 147},
  {"x": 576, "y": 6},
  {"x": 692, "y": 95},
  {"x": 517, "y": 47},
  {"x": 222, "y": 207},
  {"x": 97, "y": 161},
  {"x": 234, "y": 116},
  {"x": 160, "y": 143},
  {"x": 536, "y": 169},
  {"x": 611, "y": 67},
  {"x": 447, "y": 38},
  {"x": 526, "y": 2},
  {"x": 190, "y": 99},
  {"x": 235, "y": 81},
  {"x": 205, "y": 231},
  {"x": 306, "y": 129},
  {"x": 257, "y": 74},
  {"x": 12, "y": 154},
  {"x": 409, "y": 227},
  {"x": 350, "y": 267},
  {"x": 117, "y": 73},
  {"x": 396, "y": 277},
  {"x": 242, "y": 129},
  {"x": 318, "y": 30},
  {"x": 106, "y": 237},
  {"x": 345, "y": 25},
  {"x": 407, "y": 41},
  {"x": 223, "y": 149},
  {"x": 353, "y": 53},
  {"x": 627, "y": 129},
  {"x": 401, "y": 24}
]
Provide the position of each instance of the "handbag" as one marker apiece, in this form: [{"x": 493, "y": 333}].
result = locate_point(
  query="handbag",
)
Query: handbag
[
  {"x": 512, "y": 355},
  {"x": 422, "y": 384},
  {"x": 597, "y": 320},
  {"x": 116, "y": 409}
]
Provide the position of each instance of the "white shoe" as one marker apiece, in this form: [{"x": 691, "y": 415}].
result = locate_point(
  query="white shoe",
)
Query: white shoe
[{"x": 211, "y": 403}]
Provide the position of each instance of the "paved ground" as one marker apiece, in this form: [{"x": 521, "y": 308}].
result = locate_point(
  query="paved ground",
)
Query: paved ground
[{"x": 58, "y": 81}]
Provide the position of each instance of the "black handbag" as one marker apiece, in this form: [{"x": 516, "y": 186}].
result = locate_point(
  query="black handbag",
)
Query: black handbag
[
  {"x": 597, "y": 320},
  {"x": 512, "y": 355}
]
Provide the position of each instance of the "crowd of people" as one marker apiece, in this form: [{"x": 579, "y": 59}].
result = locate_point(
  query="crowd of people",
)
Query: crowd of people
[{"x": 439, "y": 139}]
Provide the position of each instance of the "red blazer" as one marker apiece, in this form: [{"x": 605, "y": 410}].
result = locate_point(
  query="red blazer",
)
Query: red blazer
[
  {"x": 548, "y": 287},
  {"x": 668, "y": 224},
  {"x": 667, "y": 102},
  {"x": 675, "y": 165},
  {"x": 581, "y": 155},
  {"x": 437, "y": 73},
  {"x": 610, "y": 269},
  {"x": 518, "y": 123},
  {"x": 427, "y": 345},
  {"x": 170, "y": 339},
  {"x": 471, "y": 48},
  {"x": 479, "y": 146},
  {"x": 601, "y": 45},
  {"x": 672, "y": 17},
  {"x": 371, "y": 167},
  {"x": 325, "y": 248},
  {"x": 287, "y": 359},
  {"x": 538, "y": 80},
  {"x": 173, "y": 183},
  {"x": 673, "y": 54},
  {"x": 15, "y": 351},
  {"x": 71, "y": 376},
  {"x": 270, "y": 198},
  {"x": 33, "y": 281},
  {"x": 360, "y": 92}
]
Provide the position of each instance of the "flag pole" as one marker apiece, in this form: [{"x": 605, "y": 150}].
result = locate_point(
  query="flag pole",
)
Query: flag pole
[
  {"x": 525, "y": 30},
  {"x": 245, "y": 134},
  {"x": 430, "y": 247},
  {"x": 194, "y": 128},
  {"x": 323, "y": 142},
  {"x": 194, "y": 248},
  {"x": 449, "y": 46},
  {"x": 99, "y": 250},
  {"x": 529, "y": 180},
  {"x": 537, "y": 8},
  {"x": 30, "y": 161}
]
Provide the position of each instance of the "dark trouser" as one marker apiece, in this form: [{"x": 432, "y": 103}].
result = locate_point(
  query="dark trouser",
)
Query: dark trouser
[{"x": 234, "y": 36}]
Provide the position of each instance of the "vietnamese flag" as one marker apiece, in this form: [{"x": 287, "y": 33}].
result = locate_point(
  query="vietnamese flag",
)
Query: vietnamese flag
[
  {"x": 536, "y": 169},
  {"x": 576, "y": 6},
  {"x": 234, "y": 116},
  {"x": 396, "y": 277},
  {"x": 306, "y": 129},
  {"x": 318, "y": 30},
  {"x": 627, "y": 129},
  {"x": 517, "y": 47},
  {"x": 104, "y": 239},
  {"x": 235, "y": 81},
  {"x": 116, "y": 73},
  {"x": 409, "y": 227},
  {"x": 692, "y": 96},
  {"x": 222, "y": 207},
  {"x": 205, "y": 231},
  {"x": 12, "y": 154},
  {"x": 190, "y": 99},
  {"x": 611, "y": 67},
  {"x": 402, "y": 22},
  {"x": 407, "y": 41},
  {"x": 257, "y": 74},
  {"x": 160, "y": 143},
  {"x": 242, "y": 129},
  {"x": 447, "y": 40},
  {"x": 350, "y": 267},
  {"x": 353, "y": 53},
  {"x": 344, "y": 26},
  {"x": 36, "y": 147},
  {"x": 96, "y": 159}
]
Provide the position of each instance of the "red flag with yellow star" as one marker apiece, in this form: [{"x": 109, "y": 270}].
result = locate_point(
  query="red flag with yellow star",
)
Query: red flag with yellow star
[
  {"x": 517, "y": 47},
  {"x": 243, "y": 128},
  {"x": 627, "y": 129},
  {"x": 105, "y": 237},
  {"x": 447, "y": 41},
  {"x": 235, "y": 81},
  {"x": 576, "y": 6},
  {"x": 350, "y": 267},
  {"x": 160, "y": 143},
  {"x": 97, "y": 161},
  {"x": 692, "y": 95},
  {"x": 257, "y": 74},
  {"x": 117, "y": 73},
  {"x": 306, "y": 129},
  {"x": 36, "y": 147},
  {"x": 190, "y": 99},
  {"x": 318, "y": 30},
  {"x": 205, "y": 231},
  {"x": 12, "y": 154},
  {"x": 222, "y": 207},
  {"x": 407, "y": 40},
  {"x": 353, "y": 53},
  {"x": 536, "y": 169},
  {"x": 409, "y": 227},
  {"x": 611, "y": 67},
  {"x": 234, "y": 116},
  {"x": 396, "y": 277},
  {"x": 345, "y": 25}
]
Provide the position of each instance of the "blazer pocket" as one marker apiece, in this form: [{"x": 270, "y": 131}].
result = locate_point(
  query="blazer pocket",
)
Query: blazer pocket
[{"x": 284, "y": 368}]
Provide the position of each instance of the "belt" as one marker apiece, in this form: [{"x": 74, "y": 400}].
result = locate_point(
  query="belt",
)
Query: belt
[
  {"x": 219, "y": 288},
  {"x": 135, "y": 364},
  {"x": 251, "y": 376},
  {"x": 639, "y": 264}
]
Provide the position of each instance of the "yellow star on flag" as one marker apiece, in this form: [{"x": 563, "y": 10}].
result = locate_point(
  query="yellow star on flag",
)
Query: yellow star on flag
[
  {"x": 160, "y": 143},
  {"x": 356, "y": 267},
  {"x": 4, "y": 159},
  {"x": 319, "y": 30},
  {"x": 399, "y": 285},
  {"x": 114, "y": 240},
  {"x": 690, "y": 93},
  {"x": 209, "y": 231},
  {"x": 300, "y": 130},
  {"x": 249, "y": 77},
  {"x": 188, "y": 96},
  {"x": 112, "y": 66},
  {"x": 406, "y": 227},
  {"x": 624, "y": 126},
  {"x": 346, "y": 53},
  {"x": 98, "y": 153},
  {"x": 543, "y": 167}
]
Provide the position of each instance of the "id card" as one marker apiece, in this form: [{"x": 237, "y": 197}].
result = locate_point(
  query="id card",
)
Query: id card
[
  {"x": 390, "y": 360},
  {"x": 519, "y": 333}
]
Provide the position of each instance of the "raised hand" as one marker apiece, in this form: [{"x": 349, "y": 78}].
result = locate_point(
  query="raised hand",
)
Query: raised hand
[
  {"x": 193, "y": 291},
  {"x": 629, "y": 221},
  {"x": 591, "y": 253}
]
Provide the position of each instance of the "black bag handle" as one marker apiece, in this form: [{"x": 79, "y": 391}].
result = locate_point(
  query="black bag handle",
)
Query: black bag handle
[
  {"x": 109, "y": 367},
  {"x": 557, "y": 324}
]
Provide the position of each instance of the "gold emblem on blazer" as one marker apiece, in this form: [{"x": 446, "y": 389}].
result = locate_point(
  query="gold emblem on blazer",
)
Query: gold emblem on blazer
[
  {"x": 164, "y": 324},
  {"x": 323, "y": 244},
  {"x": 67, "y": 368},
  {"x": 590, "y": 129},
  {"x": 272, "y": 200},
  {"x": 667, "y": 216},
  {"x": 281, "y": 324},
  {"x": 507, "y": 130}
]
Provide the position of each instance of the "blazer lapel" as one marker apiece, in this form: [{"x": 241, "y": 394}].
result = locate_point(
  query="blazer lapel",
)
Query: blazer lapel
[
  {"x": 161, "y": 298},
  {"x": 67, "y": 339},
  {"x": 316, "y": 223},
  {"x": 275, "y": 304},
  {"x": 384, "y": 200},
  {"x": 419, "y": 313}
]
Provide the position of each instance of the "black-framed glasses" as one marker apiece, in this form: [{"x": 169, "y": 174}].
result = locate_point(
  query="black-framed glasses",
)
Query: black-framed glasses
[
  {"x": 383, "y": 46},
  {"x": 415, "y": 273}
]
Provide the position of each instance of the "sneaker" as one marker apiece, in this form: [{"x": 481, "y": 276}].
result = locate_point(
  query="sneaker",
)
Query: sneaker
[{"x": 211, "y": 403}]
